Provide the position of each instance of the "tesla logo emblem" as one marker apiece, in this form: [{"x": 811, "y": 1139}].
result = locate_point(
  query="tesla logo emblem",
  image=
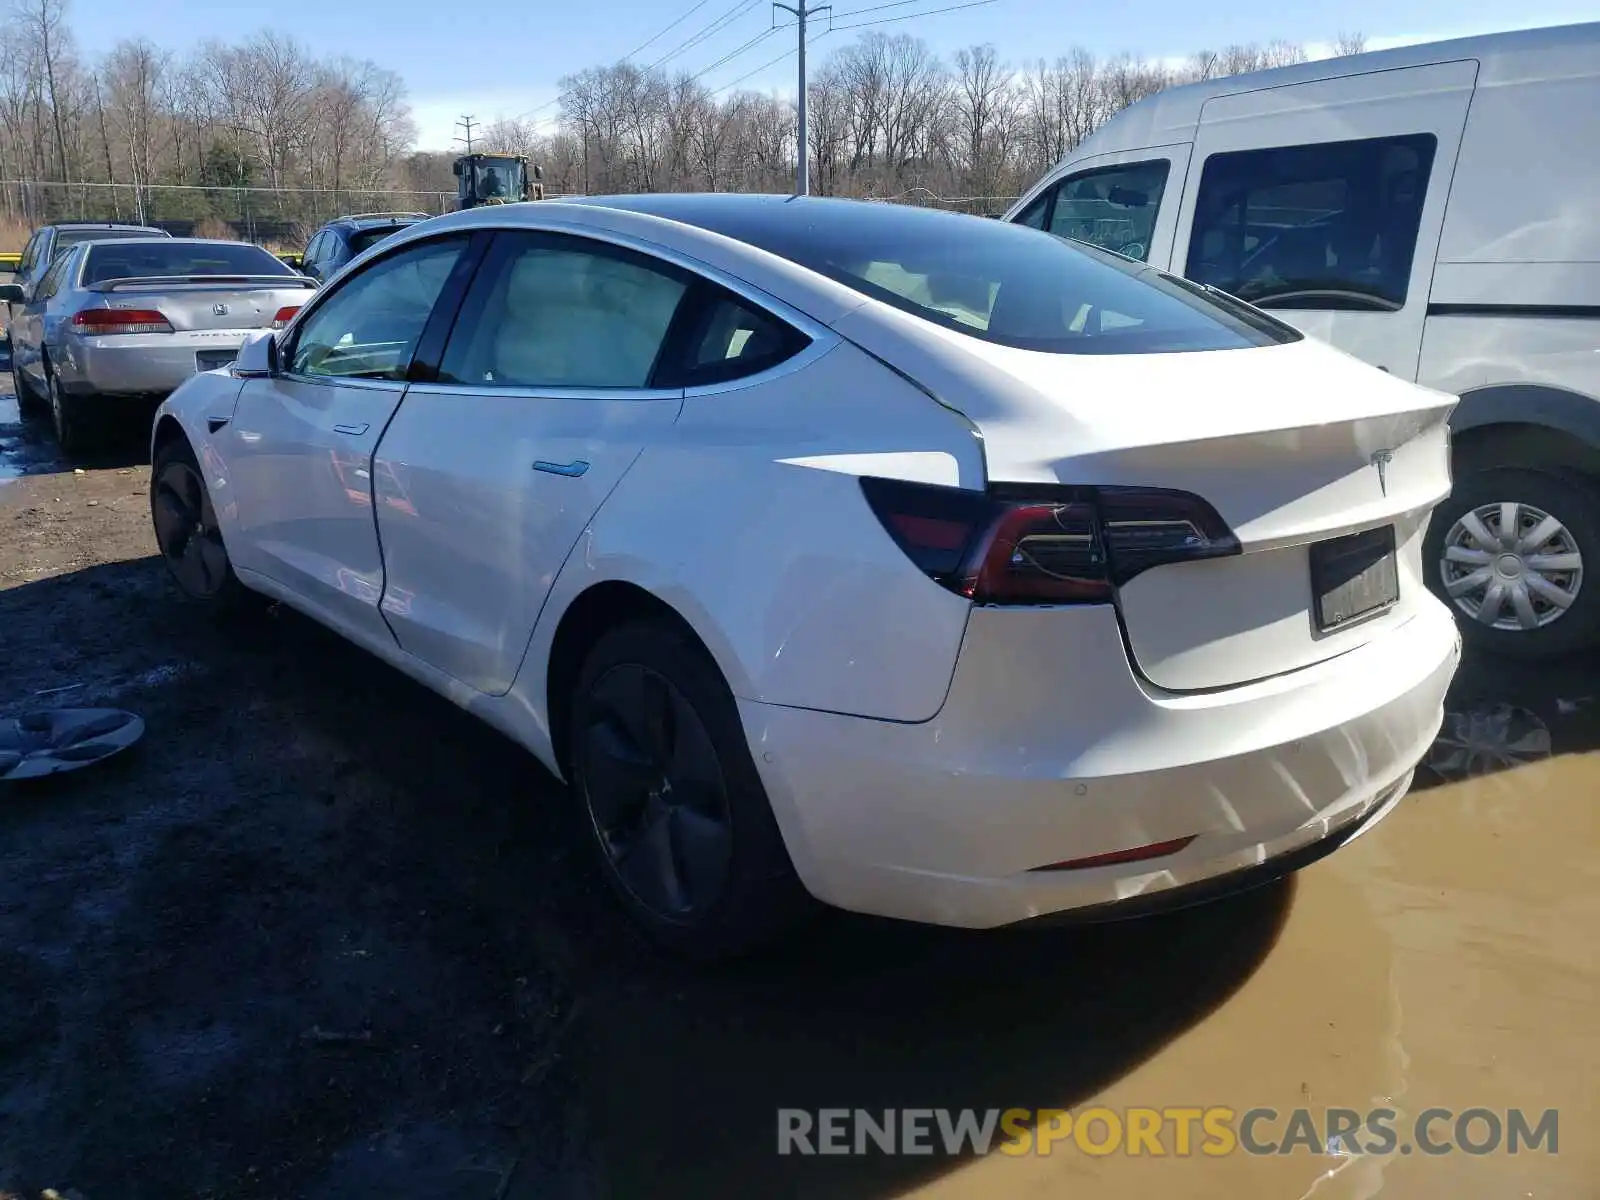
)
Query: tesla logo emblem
[
  {"x": 1381, "y": 460},
  {"x": 220, "y": 309}
]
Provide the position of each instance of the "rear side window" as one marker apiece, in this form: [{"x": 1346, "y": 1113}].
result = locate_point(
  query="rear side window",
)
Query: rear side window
[
  {"x": 559, "y": 312},
  {"x": 723, "y": 338},
  {"x": 1326, "y": 226},
  {"x": 1113, "y": 207},
  {"x": 51, "y": 283}
]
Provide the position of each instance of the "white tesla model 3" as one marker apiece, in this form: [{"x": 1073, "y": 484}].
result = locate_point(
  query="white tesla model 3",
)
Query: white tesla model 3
[{"x": 925, "y": 565}]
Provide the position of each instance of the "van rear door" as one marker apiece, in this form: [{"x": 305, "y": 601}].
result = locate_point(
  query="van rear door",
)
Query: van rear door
[{"x": 1323, "y": 202}]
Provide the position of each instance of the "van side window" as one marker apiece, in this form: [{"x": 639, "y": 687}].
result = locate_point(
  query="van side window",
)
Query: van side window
[
  {"x": 1112, "y": 207},
  {"x": 1329, "y": 226}
]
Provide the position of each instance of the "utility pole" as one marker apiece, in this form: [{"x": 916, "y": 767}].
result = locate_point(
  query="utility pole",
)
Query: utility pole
[
  {"x": 466, "y": 122},
  {"x": 802, "y": 170}
]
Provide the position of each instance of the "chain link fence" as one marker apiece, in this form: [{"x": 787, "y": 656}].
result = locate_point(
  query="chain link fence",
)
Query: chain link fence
[
  {"x": 977, "y": 206},
  {"x": 278, "y": 217}
]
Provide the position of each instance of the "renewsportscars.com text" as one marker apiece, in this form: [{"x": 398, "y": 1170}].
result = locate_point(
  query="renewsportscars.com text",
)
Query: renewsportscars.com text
[{"x": 1159, "y": 1132}]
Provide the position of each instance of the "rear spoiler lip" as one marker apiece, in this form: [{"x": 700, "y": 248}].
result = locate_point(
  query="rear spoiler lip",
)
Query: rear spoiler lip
[{"x": 199, "y": 282}]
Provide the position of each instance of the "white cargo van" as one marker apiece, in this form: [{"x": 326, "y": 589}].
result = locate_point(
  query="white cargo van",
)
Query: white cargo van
[{"x": 1434, "y": 210}]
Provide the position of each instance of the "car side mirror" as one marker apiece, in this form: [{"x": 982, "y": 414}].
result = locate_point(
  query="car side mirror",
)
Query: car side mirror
[
  {"x": 12, "y": 293},
  {"x": 258, "y": 358}
]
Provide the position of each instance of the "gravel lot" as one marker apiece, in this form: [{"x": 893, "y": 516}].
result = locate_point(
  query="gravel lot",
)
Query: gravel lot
[{"x": 322, "y": 935}]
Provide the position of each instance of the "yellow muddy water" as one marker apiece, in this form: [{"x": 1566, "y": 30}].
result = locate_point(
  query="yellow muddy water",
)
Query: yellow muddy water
[
  {"x": 1450, "y": 959},
  {"x": 1447, "y": 961}
]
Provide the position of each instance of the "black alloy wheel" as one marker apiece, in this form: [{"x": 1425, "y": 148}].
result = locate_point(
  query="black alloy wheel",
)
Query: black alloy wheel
[
  {"x": 656, "y": 793},
  {"x": 687, "y": 838},
  {"x": 186, "y": 528}
]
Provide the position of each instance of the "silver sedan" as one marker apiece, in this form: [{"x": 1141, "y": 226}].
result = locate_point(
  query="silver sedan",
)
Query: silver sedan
[{"x": 122, "y": 320}]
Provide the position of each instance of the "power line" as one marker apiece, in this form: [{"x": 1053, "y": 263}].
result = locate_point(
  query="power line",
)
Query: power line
[
  {"x": 733, "y": 54},
  {"x": 932, "y": 12},
  {"x": 810, "y": 41},
  {"x": 467, "y": 122},
  {"x": 855, "y": 12},
  {"x": 721, "y": 23},
  {"x": 667, "y": 30}
]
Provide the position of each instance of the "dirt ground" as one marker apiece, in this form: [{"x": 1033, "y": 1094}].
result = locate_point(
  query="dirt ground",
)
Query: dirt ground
[{"x": 322, "y": 935}]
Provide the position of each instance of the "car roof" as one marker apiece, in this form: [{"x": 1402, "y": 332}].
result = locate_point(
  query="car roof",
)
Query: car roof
[
  {"x": 359, "y": 222},
  {"x": 107, "y": 225},
  {"x": 754, "y": 218}
]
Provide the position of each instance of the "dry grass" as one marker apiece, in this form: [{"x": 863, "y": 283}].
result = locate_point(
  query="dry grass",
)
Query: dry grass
[
  {"x": 14, "y": 235},
  {"x": 217, "y": 230}
]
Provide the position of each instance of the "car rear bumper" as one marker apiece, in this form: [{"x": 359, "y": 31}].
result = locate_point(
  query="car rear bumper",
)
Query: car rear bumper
[
  {"x": 139, "y": 363},
  {"x": 1050, "y": 749}
]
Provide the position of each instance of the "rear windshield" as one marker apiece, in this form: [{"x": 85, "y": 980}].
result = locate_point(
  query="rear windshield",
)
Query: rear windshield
[
  {"x": 993, "y": 280},
  {"x": 66, "y": 239},
  {"x": 364, "y": 238},
  {"x": 142, "y": 260}
]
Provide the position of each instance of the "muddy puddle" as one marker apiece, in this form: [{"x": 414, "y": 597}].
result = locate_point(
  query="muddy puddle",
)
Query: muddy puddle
[{"x": 1449, "y": 961}]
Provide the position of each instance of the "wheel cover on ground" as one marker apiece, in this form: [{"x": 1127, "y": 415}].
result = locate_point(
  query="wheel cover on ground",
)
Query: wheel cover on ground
[
  {"x": 186, "y": 530},
  {"x": 654, "y": 788},
  {"x": 1511, "y": 566}
]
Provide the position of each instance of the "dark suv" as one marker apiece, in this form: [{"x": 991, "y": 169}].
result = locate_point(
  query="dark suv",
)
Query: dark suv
[
  {"x": 342, "y": 238},
  {"x": 50, "y": 242}
]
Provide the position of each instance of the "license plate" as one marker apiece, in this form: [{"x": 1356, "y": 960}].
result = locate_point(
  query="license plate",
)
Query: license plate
[
  {"x": 1353, "y": 577},
  {"x": 210, "y": 360}
]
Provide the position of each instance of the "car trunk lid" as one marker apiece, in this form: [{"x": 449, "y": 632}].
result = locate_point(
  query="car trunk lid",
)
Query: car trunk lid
[
  {"x": 193, "y": 303},
  {"x": 1313, "y": 459}
]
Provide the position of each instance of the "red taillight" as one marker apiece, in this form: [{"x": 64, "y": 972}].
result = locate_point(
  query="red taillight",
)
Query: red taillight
[
  {"x": 120, "y": 320},
  {"x": 1051, "y": 545},
  {"x": 284, "y": 315},
  {"x": 1135, "y": 854}
]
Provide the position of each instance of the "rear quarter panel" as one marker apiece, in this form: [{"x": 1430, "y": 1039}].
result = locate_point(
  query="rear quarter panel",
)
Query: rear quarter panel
[{"x": 750, "y": 522}]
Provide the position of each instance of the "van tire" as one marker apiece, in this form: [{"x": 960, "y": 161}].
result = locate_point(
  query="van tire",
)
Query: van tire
[{"x": 1567, "y": 561}]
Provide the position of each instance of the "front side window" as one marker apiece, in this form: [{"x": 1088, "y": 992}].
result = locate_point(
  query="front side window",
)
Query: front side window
[
  {"x": 30, "y": 254},
  {"x": 368, "y": 327},
  {"x": 1326, "y": 226},
  {"x": 1035, "y": 215},
  {"x": 553, "y": 312},
  {"x": 1113, "y": 207}
]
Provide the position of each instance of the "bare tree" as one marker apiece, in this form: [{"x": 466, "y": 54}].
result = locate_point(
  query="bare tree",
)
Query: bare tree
[{"x": 1349, "y": 43}]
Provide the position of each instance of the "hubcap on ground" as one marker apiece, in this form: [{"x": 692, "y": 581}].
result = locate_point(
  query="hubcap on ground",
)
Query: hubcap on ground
[
  {"x": 186, "y": 530},
  {"x": 655, "y": 792},
  {"x": 1511, "y": 566}
]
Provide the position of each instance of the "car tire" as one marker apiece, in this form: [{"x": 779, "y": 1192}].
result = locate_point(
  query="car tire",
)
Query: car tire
[
  {"x": 77, "y": 432},
  {"x": 1467, "y": 551},
  {"x": 187, "y": 534},
  {"x": 685, "y": 833}
]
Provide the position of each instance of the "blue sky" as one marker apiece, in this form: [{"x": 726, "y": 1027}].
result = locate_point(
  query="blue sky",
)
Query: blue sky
[{"x": 503, "y": 60}]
